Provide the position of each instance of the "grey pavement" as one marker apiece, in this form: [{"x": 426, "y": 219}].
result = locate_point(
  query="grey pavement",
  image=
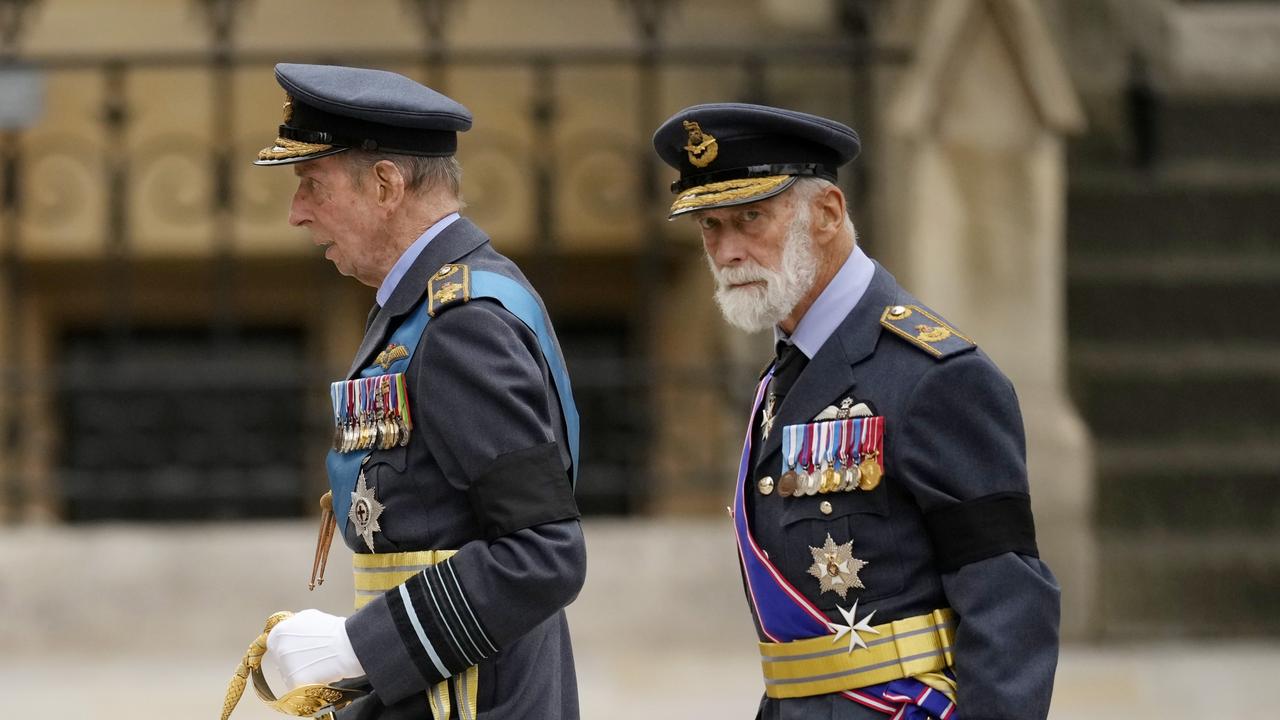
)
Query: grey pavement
[{"x": 138, "y": 622}]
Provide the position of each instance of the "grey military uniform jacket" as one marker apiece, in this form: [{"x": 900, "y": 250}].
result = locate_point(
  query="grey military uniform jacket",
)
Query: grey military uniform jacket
[
  {"x": 486, "y": 473},
  {"x": 953, "y": 441}
]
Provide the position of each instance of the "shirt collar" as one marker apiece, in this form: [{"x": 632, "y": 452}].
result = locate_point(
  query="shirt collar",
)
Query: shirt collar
[
  {"x": 833, "y": 305},
  {"x": 411, "y": 254}
]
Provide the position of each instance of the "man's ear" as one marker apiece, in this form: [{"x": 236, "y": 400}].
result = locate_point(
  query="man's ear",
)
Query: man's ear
[
  {"x": 828, "y": 214},
  {"x": 390, "y": 184}
]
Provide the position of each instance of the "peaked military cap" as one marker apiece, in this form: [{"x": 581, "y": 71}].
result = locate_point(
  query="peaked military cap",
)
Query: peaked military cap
[
  {"x": 329, "y": 109},
  {"x": 735, "y": 153}
]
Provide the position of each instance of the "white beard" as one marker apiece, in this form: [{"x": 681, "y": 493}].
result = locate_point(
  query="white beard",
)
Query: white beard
[{"x": 757, "y": 308}]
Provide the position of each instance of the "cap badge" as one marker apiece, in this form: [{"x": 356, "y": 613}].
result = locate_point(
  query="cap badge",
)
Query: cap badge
[
  {"x": 702, "y": 147},
  {"x": 288, "y": 109}
]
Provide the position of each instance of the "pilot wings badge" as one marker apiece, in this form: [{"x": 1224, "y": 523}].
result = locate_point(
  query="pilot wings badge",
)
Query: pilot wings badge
[{"x": 390, "y": 355}]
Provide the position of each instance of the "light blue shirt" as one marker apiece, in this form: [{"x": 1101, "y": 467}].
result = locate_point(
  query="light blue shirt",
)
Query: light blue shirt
[
  {"x": 838, "y": 298},
  {"x": 406, "y": 260}
]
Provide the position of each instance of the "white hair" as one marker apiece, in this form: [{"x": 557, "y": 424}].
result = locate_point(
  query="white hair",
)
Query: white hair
[
  {"x": 806, "y": 188},
  {"x": 421, "y": 173}
]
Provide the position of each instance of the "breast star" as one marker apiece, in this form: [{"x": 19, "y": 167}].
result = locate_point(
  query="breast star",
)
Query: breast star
[
  {"x": 364, "y": 512},
  {"x": 836, "y": 568}
]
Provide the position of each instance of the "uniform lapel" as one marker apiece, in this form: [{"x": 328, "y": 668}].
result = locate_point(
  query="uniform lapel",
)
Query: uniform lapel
[
  {"x": 450, "y": 245},
  {"x": 831, "y": 373}
]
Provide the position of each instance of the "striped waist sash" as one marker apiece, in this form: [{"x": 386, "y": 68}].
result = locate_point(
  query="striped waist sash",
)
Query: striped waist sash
[
  {"x": 901, "y": 649},
  {"x": 377, "y": 573}
]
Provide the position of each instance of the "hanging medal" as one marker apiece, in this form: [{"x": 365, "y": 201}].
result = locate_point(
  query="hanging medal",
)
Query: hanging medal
[
  {"x": 830, "y": 478},
  {"x": 335, "y": 390},
  {"x": 802, "y": 482},
  {"x": 790, "y": 453},
  {"x": 849, "y": 454},
  {"x": 820, "y": 455},
  {"x": 870, "y": 467},
  {"x": 403, "y": 415},
  {"x": 814, "y": 474},
  {"x": 349, "y": 427}
]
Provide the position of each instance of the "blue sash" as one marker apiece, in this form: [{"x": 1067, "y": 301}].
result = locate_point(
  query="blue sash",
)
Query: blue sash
[{"x": 344, "y": 468}]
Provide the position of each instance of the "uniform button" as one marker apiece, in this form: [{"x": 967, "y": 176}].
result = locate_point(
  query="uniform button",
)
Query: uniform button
[
  {"x": 825, "y": 507},
  {"x": 897, "y": 311},
  {"x": 765, "y": 485}
]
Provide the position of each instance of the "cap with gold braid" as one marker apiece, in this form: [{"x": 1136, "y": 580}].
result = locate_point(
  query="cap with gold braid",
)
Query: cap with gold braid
[
  {"x": 735, "y": 153},
  {"x": 329, "y": 109}
]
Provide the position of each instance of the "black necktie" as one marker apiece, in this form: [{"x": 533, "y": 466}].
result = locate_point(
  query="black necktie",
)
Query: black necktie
[
  {"x": 787, "y": 366},
  {"x": 788, "y": 363}
]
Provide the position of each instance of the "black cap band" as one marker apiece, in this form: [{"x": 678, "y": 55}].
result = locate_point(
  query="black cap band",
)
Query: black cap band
[{"x": 356, "y": 133}]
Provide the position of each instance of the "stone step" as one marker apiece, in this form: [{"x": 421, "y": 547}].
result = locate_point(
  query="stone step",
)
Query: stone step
[
  {"x": 1172, "y": 269},
  {"x": 1183, "y": 585},
  {"x": 1136, "y": 392},
  {"x": 1199, "y": 487},
  {"x": 1160, "y": 311},
  {"x": 1212, "y": 211},
  {"x": 1236, "y": 127}
]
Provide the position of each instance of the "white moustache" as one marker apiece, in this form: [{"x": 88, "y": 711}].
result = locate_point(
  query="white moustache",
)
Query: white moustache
[{"x": 741, "y": 275}]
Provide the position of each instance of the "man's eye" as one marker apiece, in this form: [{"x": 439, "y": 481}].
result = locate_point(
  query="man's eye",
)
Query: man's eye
[
  {"x": 707, "y": 223},
  {"x": 749, "y": 215}
]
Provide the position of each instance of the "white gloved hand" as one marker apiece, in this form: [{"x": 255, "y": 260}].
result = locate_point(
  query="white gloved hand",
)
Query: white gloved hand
[{"x": 312, "y": 647}]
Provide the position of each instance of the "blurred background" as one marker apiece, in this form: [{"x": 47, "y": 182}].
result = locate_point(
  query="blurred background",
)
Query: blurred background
[{"x": 1089, "y": 188}]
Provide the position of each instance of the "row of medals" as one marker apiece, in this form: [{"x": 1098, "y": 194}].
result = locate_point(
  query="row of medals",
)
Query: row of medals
[
  {"x": 822, "y": 480},
  {"x": 381, "y": 432}
]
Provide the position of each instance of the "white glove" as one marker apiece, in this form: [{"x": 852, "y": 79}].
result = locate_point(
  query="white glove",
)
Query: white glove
[{"x": 312, "y": 647}]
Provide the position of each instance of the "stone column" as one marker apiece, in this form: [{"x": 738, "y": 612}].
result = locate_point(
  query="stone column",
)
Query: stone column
[{"x": 971, "y": 201}]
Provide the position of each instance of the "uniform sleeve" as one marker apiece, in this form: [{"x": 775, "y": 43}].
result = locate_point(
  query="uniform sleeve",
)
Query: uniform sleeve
[
  {"x": 962, "y": 454},
  {"x": 489, "y": 424}
]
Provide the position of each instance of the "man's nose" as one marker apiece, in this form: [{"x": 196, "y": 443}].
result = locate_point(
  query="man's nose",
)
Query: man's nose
[
  {"x": 297, "y": 212},
  {"x": 728, "y": 250}
]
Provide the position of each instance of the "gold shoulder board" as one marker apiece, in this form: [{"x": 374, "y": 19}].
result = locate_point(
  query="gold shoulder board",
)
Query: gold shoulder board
[
  {"x": 925, "y": 330},
  {"x": 450, "y": 285}
]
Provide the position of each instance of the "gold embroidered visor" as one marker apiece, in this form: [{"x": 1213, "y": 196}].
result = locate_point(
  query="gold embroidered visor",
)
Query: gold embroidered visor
[
  {"x": 284, "y": 149},
  {"x": 729, "y": 192}
]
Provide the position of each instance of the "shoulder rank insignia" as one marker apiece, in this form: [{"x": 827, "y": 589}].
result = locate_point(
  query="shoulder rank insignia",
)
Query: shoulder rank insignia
[
  {"x": 450, "y": 285},
  {"x": 925, "y": 330},
  {"x": 390, "y": 355}
]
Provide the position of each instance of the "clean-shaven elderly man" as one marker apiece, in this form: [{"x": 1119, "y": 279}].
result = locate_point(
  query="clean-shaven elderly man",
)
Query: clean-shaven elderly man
[
  {"x": 881, "y": 508},
  {"x": 455, "y": 444}
]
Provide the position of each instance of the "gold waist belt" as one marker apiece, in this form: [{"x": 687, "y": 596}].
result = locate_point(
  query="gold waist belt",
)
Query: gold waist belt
[
  {"x": 816, "y": 666},
  {"x": 376, "y": 573}
]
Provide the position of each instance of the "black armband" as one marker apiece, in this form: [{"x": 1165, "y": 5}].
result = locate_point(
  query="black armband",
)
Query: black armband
[
  {"x": 521, "y": 489},
  {"x": 982, "y": 528}
]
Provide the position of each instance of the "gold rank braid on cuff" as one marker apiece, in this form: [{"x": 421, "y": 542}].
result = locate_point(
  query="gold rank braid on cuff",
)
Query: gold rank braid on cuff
[
  {"x": 252, "y": 661},
  {"x": 290, "y": 149},
  {"x": 727, "y": 191}
]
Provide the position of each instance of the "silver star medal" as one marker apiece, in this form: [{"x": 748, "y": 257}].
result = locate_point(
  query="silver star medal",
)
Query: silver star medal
[
  {"x": 767, "y": 417},
  {"x": 852, "y": 628},
  {"x": 836, "y": 568},
  {"x": 364, "y": 512}
]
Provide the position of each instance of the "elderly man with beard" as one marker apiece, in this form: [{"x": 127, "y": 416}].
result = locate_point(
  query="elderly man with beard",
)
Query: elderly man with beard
[{"x": 881, "y": 507}]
